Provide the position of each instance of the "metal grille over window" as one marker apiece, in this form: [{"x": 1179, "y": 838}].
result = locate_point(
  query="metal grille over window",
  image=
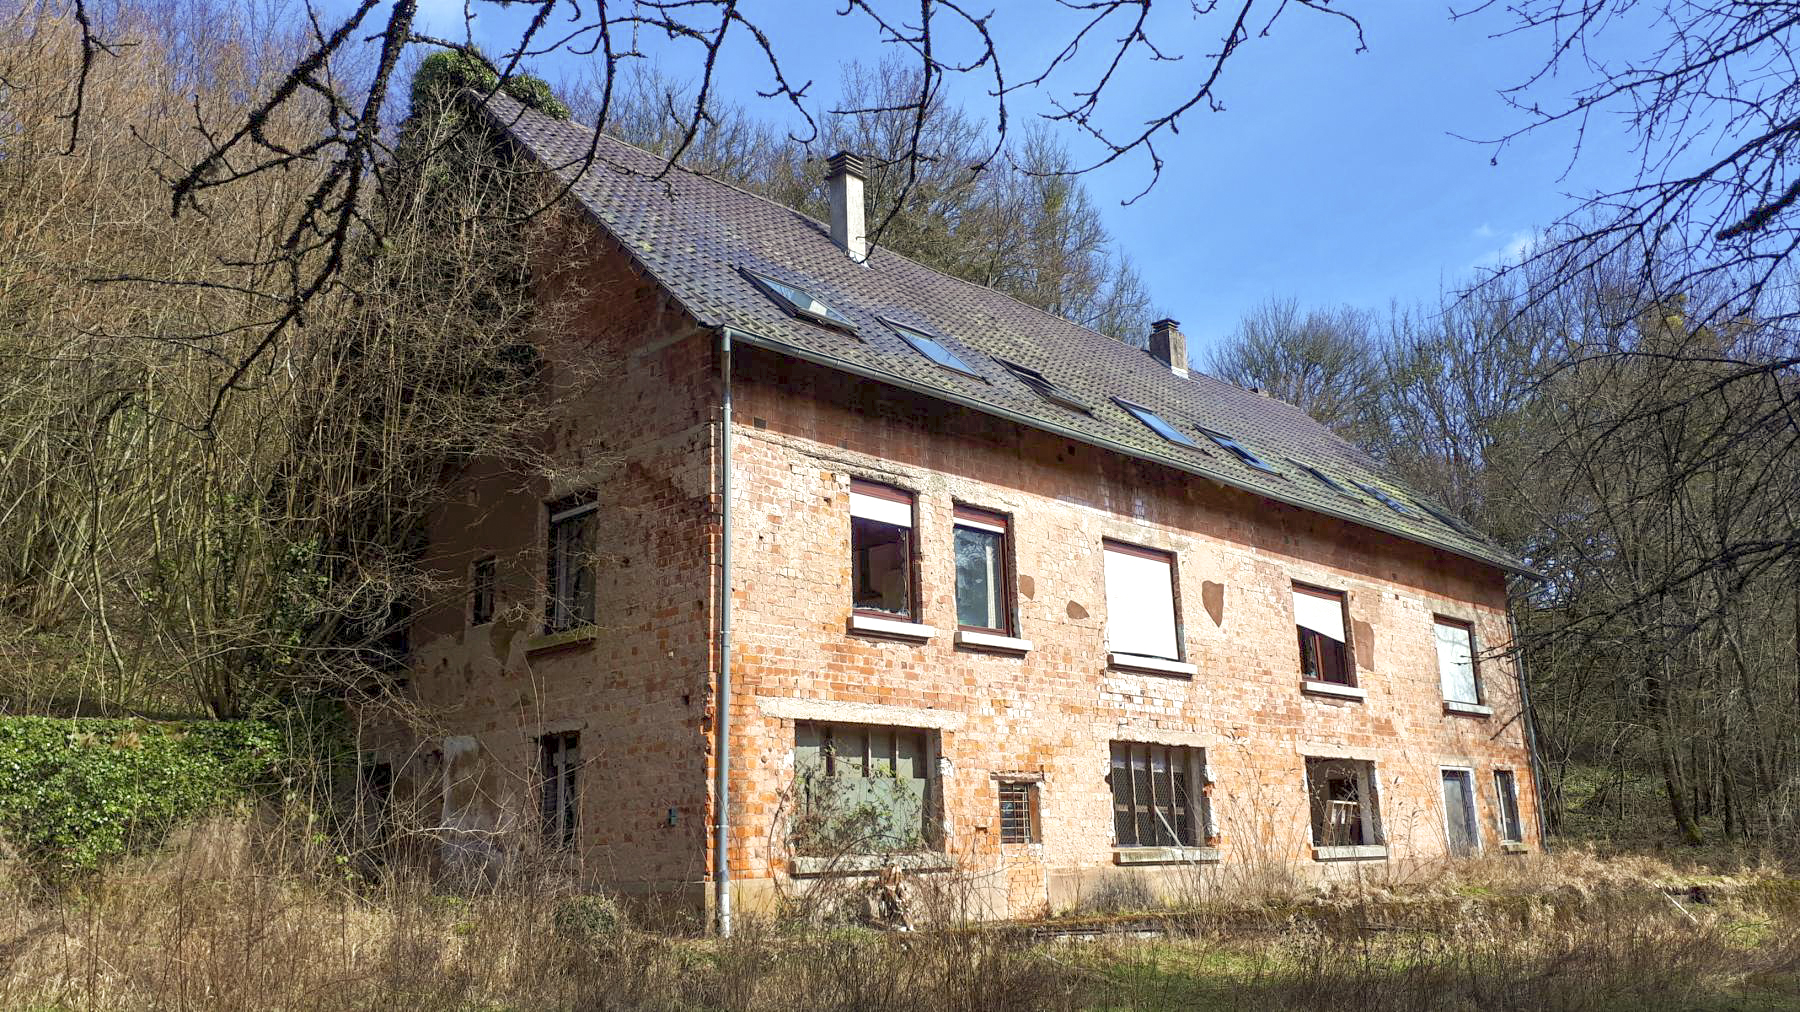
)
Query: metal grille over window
[
  {"x": 881, "y": 552},
  {"x": 1152, "y": 806},
  {"x": 569, "y": 575},
  {"x": 980, "y": 544},
  {"x": 1018, "y": 812},
  {"x": 560, "y": 805},
  {"x": 1324, "y": 654}
]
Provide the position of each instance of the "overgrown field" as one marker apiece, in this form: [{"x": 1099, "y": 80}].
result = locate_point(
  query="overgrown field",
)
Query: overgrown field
[{"x": 224, "y": 918}]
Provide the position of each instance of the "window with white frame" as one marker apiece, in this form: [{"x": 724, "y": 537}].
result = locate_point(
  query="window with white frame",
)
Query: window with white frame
[
  {"x": 569, "y": 570},
  {"x": 1460, "y": 828},
  {"x": 1456, "y": 661},
  {"x": 1140, "y": 602},
  {"x": 982, "y": 601},
  {"x": 881, "y": 550},
  {"x": 1506, "y": 796},
  {"x": 1324, "y": 647},
  {"x": 1341, "y": 794},
  {"x": 1158, "y": 796}
]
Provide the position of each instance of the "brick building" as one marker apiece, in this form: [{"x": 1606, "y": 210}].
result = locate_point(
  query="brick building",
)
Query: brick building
[{"x": 1005, "y": 597}]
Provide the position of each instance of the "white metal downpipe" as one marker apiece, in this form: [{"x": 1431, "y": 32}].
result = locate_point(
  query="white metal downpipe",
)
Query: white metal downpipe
[{"x": 722, "y": 750}]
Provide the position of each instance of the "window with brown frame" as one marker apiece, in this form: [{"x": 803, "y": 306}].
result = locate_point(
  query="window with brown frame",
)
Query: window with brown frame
[
  {"x": 1319, "y": 616},
  {"x": 983, "y": 602},
  {"x": 1018, "y": 812},
  {"x": 881, "y": 550},
  {"x": 569, "y": 565},
  {"x": 1140, "y": 602},
  {"x": 1156, "y": 797}
]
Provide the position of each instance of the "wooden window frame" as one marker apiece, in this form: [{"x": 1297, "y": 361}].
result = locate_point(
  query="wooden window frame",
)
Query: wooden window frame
[
  {"x": 913, "y": 597},
  {"x": 1197, "y": 808},
  {"x": 975, "y": 518},
  {"x": 1160, "y": 555},
  {"x": 1351, "y": 675},
  {"x": 1438, "y": 619},
  {"x": 484, "y": 583},
  {"x": 557, "y": 513},
  {"x": 1028, "y": 832}
]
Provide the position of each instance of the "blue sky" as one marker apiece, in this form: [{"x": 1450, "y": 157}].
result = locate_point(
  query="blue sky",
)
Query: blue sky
[{"x": 1332, "y": 176}]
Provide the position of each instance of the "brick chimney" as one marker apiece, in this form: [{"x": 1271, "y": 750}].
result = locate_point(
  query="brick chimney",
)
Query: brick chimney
[
  {"x": 1169, "y": 347},
  {"x": 845, "y": 177}
]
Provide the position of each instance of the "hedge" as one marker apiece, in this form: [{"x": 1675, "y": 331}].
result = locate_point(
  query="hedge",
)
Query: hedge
[{"x": 77, "y": 793}]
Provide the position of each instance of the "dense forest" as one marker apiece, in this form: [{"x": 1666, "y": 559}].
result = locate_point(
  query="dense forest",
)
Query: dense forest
[{"x": 198, "y": 518}]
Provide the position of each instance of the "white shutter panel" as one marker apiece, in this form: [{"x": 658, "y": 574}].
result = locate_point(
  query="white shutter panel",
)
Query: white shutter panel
[
  {"x": 1322, "y": 615},
  {"x": 1456, "y": 663},
  {"x": 887, "y": 511},
  {"x": 1140, "y": 606}
]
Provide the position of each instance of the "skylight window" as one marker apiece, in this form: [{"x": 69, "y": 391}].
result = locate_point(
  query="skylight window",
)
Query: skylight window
[
  {"x": 1241, "y": 451},
  {"x": 932, "y": 348},
  {"x": 1443, "y": 518},
  {"x": 1386, "y": 500},
  {"x": 1324, "y": 479},
  {"x": 1156, "y": 424},
  {"x": 800, "y": 302},
  {"x": 1042, "y": 386}
]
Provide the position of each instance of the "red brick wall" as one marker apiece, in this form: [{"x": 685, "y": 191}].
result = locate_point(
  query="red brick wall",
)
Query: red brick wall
[{"x": 802, "y": 433}]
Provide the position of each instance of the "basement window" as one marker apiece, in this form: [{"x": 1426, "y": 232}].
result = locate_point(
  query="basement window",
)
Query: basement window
[
  {"x": 931, "y": 348},
  {"x": 1506, "y": 794},
  {"x": 1156, "y": 800},
  {"x": 800, "y": 302},
  {"x": 1155, "y": 423},
  {"x": 861, "y": 788},
  {"x": 569, "y": 569},
  {"x": 1386, "y": 500},
  {"x": 1018, "y": 812},
  {"x": 1039, "y": 384},
  {"x": 1319, "y": 616},
  {"x": 481, "y": 591},
  {"x": 1322, "y": 478},
  {"x": 881, "y": 550},
  {"x": 1239, "y": 450},
  {"x": 559, "y": 805},
  {"x": 1456, "y": 661},
  {"x": 1140, "y": 602},
  {"x": 1341, "y": 794}
]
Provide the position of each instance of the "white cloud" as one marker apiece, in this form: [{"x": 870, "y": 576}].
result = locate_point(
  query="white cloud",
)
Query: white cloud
[
  {"x": 1518, "y": 246},
  {"x": 1484, "y": 231}
]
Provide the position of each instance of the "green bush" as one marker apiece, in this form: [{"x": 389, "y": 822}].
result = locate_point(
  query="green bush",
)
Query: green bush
[
  {"x": 77, "y": 793},
  {"x": 586, "y": 920}
]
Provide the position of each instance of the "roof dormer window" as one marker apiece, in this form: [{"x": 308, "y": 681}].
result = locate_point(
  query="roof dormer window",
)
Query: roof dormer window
[
  {"x": 931, "y": 348},
  {"x": 1155, "y": 423},
  {"x": 800, "y": 302}
]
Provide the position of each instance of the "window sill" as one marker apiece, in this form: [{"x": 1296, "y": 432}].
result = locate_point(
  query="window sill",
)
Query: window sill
[
  {"x": 868, "y": 864},
  {"x": 892, "y": 627},
  {"x": 1153, "y": 665},
  {"x": 1514, "y": 847},
  {"x": 994, "y": 642},
  {"x": 579, "y": 636},
  {"x": 1166, "y": 855},
  {"x": 1467, "y": 709},
  {"x": 1372, "y": 852},
  {"x": 1313, "y": 688}
]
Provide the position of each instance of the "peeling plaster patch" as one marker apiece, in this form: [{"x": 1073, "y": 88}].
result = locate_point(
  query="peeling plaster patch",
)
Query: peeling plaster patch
[
  {"x": 1076, "y": 611},
  {"x": 1027, "y": 587},
  {"x": 1212, "y": 598},
  {"x": 1365, "y": 646}
]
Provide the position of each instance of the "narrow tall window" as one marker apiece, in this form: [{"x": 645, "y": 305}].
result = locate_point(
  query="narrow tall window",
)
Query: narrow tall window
[
  {"x": 1459, "y": 812},
  {"x": 569, "y": 572},
  {"x": 881, "y": 549},
  {"x": 982, "y": 603},
  {"x": 1456, "y": 661},
  {"x": 1506, "y": 794},
  {"x": 1341, "y": 793},
  {"x": 1155, "y": 798},
  {"x": 861, "y": 788},
  {"x": 1324, "y": 649},
  {"x": 559, "y": 807},
  {"x": 1140, "y": 602},
  {"x": 481, "y": 591},
  {"x": 1018, "y": 812}
]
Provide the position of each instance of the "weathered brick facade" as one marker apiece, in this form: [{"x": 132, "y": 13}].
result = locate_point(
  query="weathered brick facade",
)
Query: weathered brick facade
[{"x": 639, "y": 686}]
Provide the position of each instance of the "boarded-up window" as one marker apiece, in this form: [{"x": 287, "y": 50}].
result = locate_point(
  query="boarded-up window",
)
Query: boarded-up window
[
  {"x": 1506, "y": 795},
  {"x": 1324, "y": 649},
  {"x": 881, "y": 552},
  {"x": 1456, "y": 661},
  {"x": 1140, "y": 602},
  {"x": 1157, "y": 801},
  {"x": 569, "y": 575},
  {"x": 860, "y": 788},
  {"x": 1341, "y": 793},
  {"x": 1018, "y": 812},
  {"x": 560, "y": 804}
]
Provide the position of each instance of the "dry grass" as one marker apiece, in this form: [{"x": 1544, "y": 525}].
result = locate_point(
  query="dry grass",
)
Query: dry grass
[{"x": 230, "y": 918}]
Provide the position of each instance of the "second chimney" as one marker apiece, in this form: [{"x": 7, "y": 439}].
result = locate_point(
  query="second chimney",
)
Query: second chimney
[
  {"x": 1169, "y": 346},
  {"x": 845, "y": 177}
]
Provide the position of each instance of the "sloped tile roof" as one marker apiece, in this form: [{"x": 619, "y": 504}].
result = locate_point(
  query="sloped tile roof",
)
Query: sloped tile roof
[{"x": 696, "y": 236}]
